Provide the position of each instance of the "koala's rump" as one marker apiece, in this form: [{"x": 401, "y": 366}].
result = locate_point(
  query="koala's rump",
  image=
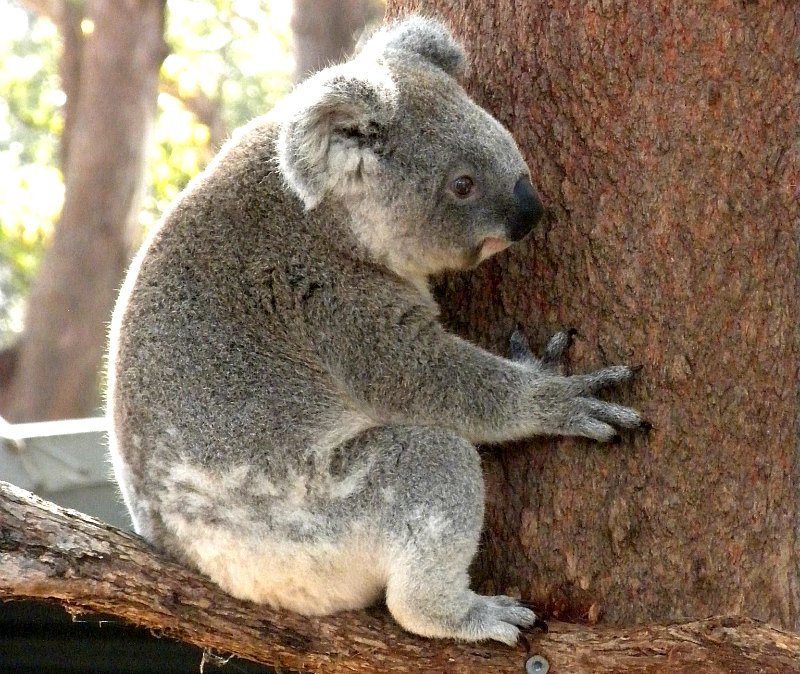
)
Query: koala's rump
[
  {"x": 306, "y": 542},
  {"x": 313, "y": 579}
]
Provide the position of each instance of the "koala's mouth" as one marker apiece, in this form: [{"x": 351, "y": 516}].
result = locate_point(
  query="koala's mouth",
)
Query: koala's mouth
[{"x": 491, "y": 245}]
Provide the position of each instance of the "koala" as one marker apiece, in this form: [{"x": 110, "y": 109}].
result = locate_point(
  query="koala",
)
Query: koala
[{"x": 288, "y": 416}]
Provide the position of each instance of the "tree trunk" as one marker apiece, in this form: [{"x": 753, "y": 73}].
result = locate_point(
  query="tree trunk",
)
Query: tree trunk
[
  {"x": 325, "y": 31},
  {"x": 115, "y": 78},
  {"x": 663, "y": 138},
  {"x": 50, "y": 553}
]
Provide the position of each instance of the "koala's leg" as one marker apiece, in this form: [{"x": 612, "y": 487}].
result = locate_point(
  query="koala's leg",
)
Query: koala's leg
[{"x": 433, "y": 487}]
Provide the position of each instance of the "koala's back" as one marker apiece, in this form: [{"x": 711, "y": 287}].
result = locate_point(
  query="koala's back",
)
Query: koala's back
[
  {"x": 192, "y": 334},
  {"x": 223, "y": 416}
]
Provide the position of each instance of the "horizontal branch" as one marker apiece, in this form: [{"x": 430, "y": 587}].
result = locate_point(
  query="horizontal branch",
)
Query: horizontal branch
[{"x": 47, "y": 552}]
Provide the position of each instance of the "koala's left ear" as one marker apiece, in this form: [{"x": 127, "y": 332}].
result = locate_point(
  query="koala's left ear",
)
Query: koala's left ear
[{"x": 332, "y": 132}]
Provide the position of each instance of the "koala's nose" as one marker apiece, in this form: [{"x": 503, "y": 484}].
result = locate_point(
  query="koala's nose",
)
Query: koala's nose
[{"x": 529, "y": 210}]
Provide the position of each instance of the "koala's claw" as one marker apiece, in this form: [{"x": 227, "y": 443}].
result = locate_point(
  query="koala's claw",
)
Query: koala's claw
[
  {"x": 541, "y": 625},
  {"x": 519, "y": 347},
  {"x": 557, "y": 347}
]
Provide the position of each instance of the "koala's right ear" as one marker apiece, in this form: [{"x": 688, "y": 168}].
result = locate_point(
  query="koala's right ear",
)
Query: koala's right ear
[
  {"x": 421, "y": 36},
  {"x": 332, "y": 132}
]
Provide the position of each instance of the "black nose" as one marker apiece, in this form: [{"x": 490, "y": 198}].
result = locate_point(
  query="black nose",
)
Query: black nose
[{"x": 528, "y": 210}]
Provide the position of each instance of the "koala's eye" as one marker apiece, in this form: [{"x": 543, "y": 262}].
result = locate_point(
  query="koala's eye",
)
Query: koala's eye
[{"x": 462, "y": 186}]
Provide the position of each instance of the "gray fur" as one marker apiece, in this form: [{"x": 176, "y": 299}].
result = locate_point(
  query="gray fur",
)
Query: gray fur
[
  {"x": 422, "y": 37},
  {"x": 288, "y": 415}
]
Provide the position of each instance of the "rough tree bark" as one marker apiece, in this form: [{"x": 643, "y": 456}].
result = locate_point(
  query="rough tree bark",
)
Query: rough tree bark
[
  {"x": 46, "y": 552},
  {"x": 663, "y": 138},
  {"x": 110, "y": 75},
  {"x": 325, "y": 31}
]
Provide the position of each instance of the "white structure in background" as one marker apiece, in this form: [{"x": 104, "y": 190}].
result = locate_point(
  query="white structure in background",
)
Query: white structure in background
[{"x": 65, "y": 462}]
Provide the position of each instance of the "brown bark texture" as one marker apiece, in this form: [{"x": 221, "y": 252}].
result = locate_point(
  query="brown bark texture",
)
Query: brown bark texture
[
  {"x": 663, "y": 137},
  {"x": 111, "y": 86},
  {"x": 325, "y": 31},
  {"x": 47, "y": 552}
]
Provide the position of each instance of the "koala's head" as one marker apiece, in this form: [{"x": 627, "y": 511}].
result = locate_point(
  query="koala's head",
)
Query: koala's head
[{"x": 431, "y": 181}]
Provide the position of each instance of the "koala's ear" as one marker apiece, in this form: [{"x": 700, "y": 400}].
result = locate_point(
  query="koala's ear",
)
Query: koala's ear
[
  {"x": 332, "y": 132},
  {"x": 423, "y": 37}
]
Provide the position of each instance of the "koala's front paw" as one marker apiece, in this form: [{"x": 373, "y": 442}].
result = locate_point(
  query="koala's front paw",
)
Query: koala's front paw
[{"x": 566, "y": 404}]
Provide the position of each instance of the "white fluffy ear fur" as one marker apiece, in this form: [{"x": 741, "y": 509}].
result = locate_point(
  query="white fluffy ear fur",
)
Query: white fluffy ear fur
[{"x": 331, "y": 130}]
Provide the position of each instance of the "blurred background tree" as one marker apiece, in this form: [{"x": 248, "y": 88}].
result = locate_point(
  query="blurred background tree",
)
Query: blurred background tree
[
  {"x": 30, "y": 123},
  {"x": 106, "y": 112},
  {"x": 326, "y": 31}
]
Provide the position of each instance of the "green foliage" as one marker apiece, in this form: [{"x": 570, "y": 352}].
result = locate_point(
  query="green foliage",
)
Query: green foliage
[
  {"x": 230, "y": 61},
  {"x": 30, "y": 124},
  {"x": 235, "y": 50}
]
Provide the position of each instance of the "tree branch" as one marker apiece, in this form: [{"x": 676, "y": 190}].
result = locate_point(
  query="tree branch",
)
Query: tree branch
[{"x": 47, "y": 552}]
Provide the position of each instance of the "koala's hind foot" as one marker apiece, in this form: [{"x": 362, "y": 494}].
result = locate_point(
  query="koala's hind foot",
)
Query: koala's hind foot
[
  {"x": 452, "y": 610},
  {"x": 433, "y": 523},
  {"x": 499, "y": 618},
  {"x": 433, "y": 609}
]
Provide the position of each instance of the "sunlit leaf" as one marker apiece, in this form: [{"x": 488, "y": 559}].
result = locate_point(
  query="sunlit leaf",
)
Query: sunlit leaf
[{"x": 233, "y": 54}]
